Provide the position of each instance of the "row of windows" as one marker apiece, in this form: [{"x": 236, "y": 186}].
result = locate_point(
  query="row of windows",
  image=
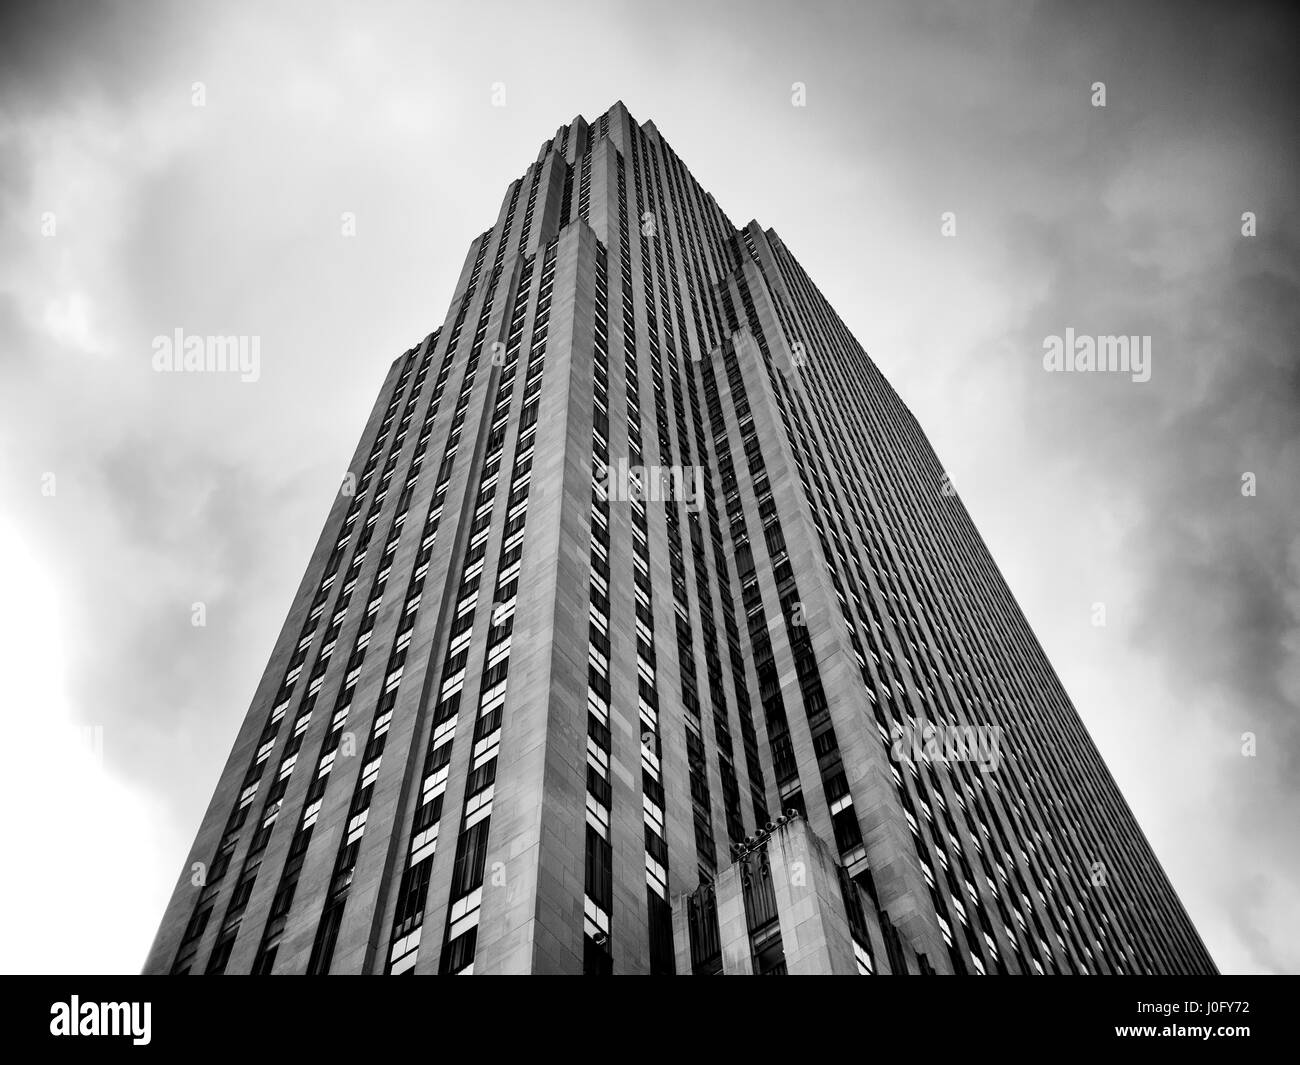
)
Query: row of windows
[
  {"x": 652, "y": 783},
  {"x": 598, "y": 855},
  {"x": 358, "y": 813},
  {"x": 414, "y": 884},
  {"x": 274, "y": 800},
  {"x": 325, "y": 939},
  {"x": 465, "y": 898}
]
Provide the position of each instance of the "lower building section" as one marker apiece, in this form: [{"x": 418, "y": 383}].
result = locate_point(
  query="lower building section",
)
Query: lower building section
[{"x": 785, "y": 906}]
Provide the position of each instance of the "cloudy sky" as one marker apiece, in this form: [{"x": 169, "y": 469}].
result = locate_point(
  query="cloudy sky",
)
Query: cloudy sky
[{"x": 127, "y": 496}]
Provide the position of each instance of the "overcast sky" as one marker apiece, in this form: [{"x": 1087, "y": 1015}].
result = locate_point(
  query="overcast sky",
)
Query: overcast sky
[{"x": 126, "y": 212}]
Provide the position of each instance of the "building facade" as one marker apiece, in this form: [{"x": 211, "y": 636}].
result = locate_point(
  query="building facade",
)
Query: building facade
[{"x": 646, "y": 636}]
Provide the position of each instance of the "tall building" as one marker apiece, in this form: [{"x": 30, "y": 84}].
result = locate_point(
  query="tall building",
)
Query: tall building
[{"x": 646, "y": 635}]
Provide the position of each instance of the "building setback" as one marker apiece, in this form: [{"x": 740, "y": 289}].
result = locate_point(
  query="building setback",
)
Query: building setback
[{"x": 646, "y": 636}]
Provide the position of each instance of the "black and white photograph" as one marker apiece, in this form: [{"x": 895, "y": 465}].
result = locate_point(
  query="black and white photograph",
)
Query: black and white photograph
[{"x": 678, "y": 488}]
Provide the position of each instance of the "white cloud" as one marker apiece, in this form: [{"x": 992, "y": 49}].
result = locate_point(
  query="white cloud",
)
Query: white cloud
[{"x": 79, "y": 904}]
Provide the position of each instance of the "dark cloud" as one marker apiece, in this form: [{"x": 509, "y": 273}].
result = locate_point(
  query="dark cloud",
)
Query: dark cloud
[{"x": 54, "y": 53}]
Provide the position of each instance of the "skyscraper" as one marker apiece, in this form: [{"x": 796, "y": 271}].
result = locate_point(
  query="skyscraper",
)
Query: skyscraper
[{"x": 643, "y": 471}]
